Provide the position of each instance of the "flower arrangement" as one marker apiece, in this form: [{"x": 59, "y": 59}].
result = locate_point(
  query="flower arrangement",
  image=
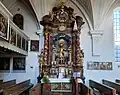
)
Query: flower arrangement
[
  {"x": 46, "y": 82},
  {"x": 45, "y": 79}
]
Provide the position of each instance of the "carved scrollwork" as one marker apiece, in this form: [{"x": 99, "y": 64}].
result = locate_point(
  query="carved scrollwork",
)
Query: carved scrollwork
[{"x": 59, "y": 15}]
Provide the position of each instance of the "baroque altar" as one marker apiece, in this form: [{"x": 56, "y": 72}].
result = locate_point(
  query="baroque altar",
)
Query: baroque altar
[{"x": 62, "y": 56}]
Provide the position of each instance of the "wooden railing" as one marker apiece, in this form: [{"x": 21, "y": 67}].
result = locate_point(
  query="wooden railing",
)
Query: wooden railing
[{"x": 11, "y": 36}]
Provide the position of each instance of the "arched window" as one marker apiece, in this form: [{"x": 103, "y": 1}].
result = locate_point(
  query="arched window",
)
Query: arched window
[
  {"x": 116, "y": 16},
  {"x": 18, "y": 20}
]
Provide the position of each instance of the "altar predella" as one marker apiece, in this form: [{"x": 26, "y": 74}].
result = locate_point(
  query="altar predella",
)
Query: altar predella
[{"x": 62, "y": 56}]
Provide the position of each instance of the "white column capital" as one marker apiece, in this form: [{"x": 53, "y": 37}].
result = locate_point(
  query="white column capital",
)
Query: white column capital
[{"x": 96, "y": 38}]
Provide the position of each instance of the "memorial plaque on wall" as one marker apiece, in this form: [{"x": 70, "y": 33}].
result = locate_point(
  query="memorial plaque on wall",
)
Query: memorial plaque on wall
[
  {"x": 91, "y": 65},
  {"x": 4, "y": 63},
  {"x": 3, "y": 27},
  {"x": 19, "y": 63},
  {"x": 34, "y": 45}
]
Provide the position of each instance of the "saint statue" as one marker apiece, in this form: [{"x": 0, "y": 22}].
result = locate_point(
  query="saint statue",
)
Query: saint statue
[{"x": 61, "y": 52}]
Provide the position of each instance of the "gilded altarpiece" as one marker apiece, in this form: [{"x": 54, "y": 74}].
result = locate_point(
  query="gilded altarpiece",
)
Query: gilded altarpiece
[{"x": 62, "y": 56}]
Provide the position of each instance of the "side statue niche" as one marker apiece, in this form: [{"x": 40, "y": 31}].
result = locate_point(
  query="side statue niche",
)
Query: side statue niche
[{"x": 62, "y": 56}]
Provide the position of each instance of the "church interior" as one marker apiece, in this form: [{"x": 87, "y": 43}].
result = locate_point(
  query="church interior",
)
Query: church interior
[{"x": 59, "y": 47}]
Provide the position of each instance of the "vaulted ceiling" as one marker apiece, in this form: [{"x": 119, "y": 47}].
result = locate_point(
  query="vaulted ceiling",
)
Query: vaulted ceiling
[
  {"x": 95, "y": 11},
  {"x": 87, "y": 6}
]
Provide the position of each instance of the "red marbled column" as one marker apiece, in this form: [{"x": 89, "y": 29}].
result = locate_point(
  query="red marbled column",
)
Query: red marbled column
[{"x": 50, "y": 47}]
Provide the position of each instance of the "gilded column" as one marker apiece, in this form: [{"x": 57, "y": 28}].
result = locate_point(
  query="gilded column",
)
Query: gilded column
[{"x": 46, "y": 45}]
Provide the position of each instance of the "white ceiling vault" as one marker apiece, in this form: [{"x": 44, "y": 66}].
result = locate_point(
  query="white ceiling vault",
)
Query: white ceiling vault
[{"x": 96, "y": 10}]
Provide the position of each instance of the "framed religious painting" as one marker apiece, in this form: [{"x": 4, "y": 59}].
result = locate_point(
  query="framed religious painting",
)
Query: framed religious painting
[
  {"x": 23, "y": 43},
  {"x": 19, "y": 41},
  {"x": 4, "y": 24},
  {"x": 26, "y": 45},
  {"x": 12, "y": 36},
  {"x": 4, "y": 64},
  {"x": 34, "y": 45},
  {"x": 19, "y": 63}
]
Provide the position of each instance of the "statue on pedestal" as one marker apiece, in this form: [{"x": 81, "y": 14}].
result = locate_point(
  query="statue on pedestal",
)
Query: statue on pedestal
[{"x": 61, "y": 52}]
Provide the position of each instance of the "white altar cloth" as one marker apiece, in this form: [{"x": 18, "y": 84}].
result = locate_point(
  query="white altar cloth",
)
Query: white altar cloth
[{"x": 63, "y": 80}]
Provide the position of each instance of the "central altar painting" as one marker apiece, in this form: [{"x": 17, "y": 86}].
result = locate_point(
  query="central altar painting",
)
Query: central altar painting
[{"x": 62, "y": 56}]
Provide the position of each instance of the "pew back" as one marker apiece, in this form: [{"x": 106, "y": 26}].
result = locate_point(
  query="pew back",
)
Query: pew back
[
  {"x": 117, "y": 81},
  {"x": 36, "y": 90},
  {"x": 112, "y": 84},
  {"x": 1, "y": 81},
  {"x": 103, "y": 89},
  {"x": 19, "y": 89},
  {"x": 84, "y": 90},
  {"x": 7, "y": 84}
]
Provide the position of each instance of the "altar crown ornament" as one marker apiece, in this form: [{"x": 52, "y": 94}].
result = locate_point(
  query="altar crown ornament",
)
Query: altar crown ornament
[{"x": 62, "y": 2}]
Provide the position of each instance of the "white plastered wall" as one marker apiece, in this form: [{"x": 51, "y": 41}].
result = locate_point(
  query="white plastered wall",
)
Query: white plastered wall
[
  {"x": 30, "y": 28},
  {"x": 106, "y": 49}
]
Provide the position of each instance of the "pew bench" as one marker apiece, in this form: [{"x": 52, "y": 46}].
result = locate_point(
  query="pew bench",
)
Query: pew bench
[
  {"x": 84, "y": 90},
  {"x": 99, "y": 88},
  {"x": 1, "y": 90},
  {"x": 36, "y": 90},
  {"x": 113, "y": 85},
  {"x": 1, "y": 81},
  {"x": 117, "y": 81},
  {"x": 19, "y": 89},
  {"x": 5, "y": 85}
]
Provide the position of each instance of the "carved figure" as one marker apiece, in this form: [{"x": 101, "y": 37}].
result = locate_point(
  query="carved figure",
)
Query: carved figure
[
  {"x": 79, "y": 21},
  {"x": 61, "y": 50}
]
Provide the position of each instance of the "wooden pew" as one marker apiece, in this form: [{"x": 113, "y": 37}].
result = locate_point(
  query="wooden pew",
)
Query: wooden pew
[
  {"x": 19, "y": 89},
  {"x": 102, "y": 89},
  {"x": 5, "y": 85},
  {"x": 36, "y": 90},
  {"x": 84, "y": 90},
  {"x": 1, "y": 90},
  {"x": 1, "y": 81},
  {"x": 117, "y": 81},
  {"x": 113, "y": 85}
]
